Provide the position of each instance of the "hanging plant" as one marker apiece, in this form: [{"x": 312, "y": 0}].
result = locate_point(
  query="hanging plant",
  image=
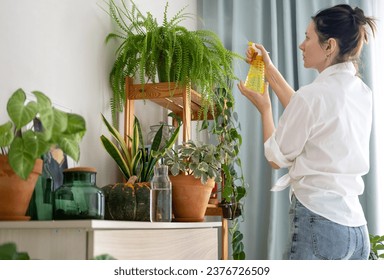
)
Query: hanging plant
[
  {"x": 226, "y": 128},
  {"x": 166, "y": 52}
]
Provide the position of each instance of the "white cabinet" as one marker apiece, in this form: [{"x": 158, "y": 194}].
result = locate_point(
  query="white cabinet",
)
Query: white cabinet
[{"x": 85, "y": 239}]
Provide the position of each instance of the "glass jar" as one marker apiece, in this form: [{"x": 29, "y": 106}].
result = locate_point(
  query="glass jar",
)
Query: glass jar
[
  {"x": 78, "y": 197},
  {"x": 168, "y": 130},
  {"x": 161, "y": 195}
]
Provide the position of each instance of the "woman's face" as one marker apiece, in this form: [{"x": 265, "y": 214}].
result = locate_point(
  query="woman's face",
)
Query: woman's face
[{"x": 314, "y": 55}]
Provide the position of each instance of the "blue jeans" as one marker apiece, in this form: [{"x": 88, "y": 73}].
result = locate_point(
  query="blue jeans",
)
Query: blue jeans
[{"x": 313, "y": 237}]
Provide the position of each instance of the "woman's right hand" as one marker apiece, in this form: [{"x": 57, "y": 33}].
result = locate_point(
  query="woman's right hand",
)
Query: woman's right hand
[{"x": 251, "y": 50}]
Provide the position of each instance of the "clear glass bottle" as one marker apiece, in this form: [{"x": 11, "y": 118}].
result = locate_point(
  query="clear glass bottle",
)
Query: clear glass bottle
[
  {"x": 256, "y": 74},
  {"x": 161, "y": 195},
  {"x": 78, "y": 197}
]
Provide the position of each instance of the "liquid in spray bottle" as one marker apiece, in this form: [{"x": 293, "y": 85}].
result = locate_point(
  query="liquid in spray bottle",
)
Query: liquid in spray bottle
[{"x": 255, "y": 78}]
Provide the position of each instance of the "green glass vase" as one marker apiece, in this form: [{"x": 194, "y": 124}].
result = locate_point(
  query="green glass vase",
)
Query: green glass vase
[{"x": 78, "y": 197}]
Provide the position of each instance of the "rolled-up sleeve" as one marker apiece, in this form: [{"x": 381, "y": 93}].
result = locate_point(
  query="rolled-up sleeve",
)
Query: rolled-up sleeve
[
  {"x": 273, "y": 153},
  {"x": 291, "y": 134}
]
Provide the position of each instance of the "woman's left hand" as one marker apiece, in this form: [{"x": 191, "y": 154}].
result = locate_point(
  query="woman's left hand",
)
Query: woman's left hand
[{"x": 261, "y": 101}]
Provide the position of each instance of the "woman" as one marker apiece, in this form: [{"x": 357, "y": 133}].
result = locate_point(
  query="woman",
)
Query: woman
[{"x": 323, "y": 138}]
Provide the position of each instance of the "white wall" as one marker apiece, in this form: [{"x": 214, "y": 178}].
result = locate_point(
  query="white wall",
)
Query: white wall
[{"x": 57, "y": 47}]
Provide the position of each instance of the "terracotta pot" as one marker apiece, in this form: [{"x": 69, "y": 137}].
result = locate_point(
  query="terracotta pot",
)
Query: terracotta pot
[
  {"x": 190, "y": 198},
  {"x": 16, "y": 193}
]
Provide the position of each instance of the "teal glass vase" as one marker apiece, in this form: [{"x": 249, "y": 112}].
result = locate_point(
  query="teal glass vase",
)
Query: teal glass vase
[{"x": 78, "y": 197}]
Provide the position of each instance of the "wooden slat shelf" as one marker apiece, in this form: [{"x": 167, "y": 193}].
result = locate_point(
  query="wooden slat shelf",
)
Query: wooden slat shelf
[{"x": 168, "y": 96}]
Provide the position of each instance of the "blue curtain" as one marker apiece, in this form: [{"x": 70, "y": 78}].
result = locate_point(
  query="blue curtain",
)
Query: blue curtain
[{"x": 280, "y": 26}]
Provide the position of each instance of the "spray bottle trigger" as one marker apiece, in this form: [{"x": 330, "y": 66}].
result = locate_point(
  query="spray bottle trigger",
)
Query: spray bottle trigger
[{"x": 254, "y": 50}]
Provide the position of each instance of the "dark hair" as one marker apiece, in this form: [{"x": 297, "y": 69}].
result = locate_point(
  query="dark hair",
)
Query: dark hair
[{"x": 347, "y": 26}]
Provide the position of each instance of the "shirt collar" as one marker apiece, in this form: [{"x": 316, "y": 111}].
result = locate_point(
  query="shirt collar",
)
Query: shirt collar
[{"x": 346, "y": 67}]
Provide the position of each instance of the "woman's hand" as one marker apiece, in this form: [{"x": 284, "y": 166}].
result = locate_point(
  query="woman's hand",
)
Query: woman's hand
[
  {"x": 263, "y": 104},
  {"x": 262, "y": 101},
  {"x": 277, "y": 82},
  {"x": 251, "y": 50}
]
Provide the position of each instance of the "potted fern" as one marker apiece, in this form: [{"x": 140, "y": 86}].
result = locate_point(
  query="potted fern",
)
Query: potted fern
[
  {"x": 21, "y": 148},
  {"x": 166, "y": 52}
]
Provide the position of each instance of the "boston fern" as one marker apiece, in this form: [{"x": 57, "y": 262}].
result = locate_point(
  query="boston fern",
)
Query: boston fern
[{"x": 166, "y": 52}]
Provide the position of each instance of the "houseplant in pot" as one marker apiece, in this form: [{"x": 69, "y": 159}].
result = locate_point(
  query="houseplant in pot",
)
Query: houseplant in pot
[
  {"x": 130, "y": 200},
  {"x": 195, "y": 167},
  {"x": 166, "y": 52},
  {"x": 21, "y": 147}
]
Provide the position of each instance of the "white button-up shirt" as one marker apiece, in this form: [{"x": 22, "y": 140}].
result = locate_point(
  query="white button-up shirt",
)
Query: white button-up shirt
[{"x": 323, "y": 139}]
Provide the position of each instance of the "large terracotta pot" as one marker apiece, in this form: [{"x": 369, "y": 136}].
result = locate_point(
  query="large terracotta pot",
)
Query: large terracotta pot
[
  {"x": 16, "y": 193},
  {"x": 190, "y": 198}
]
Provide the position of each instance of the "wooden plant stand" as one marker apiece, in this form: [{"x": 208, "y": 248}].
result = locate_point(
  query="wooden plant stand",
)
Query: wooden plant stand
[{"x": 184, "y": 103}]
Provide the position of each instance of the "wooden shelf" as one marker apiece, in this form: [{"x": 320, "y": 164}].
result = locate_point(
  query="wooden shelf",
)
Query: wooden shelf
[
  {"x": 183, "y": 102},
  {"x": 168, "y": 96}
]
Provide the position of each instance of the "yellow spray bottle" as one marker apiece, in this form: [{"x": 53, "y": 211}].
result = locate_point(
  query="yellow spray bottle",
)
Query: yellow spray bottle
[{"x": 255, "y": 78}]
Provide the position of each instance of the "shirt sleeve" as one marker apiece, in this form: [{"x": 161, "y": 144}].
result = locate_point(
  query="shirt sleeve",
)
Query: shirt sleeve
[{"x": 291, "y": 134}]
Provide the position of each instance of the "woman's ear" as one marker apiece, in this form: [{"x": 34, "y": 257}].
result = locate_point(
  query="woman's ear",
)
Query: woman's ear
[{"x": 332, "y": 46}]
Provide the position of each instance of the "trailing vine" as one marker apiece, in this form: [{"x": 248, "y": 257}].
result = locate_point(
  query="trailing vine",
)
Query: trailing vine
[{"x": 226, "y": 128}]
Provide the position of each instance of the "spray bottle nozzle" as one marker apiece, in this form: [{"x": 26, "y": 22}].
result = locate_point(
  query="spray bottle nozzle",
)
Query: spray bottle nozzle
[{"x": 255, "y": 51}]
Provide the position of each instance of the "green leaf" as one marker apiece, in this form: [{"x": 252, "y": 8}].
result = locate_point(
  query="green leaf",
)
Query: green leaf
[
  {"x": 22, "y": 155},
  {"x": 69, "y": 145},
  {"x": 21, "y": 114},
  {"x": 8, "y": 251},
  {"x": 104, "y": 257},
  {"x": 237, "y": 237},
  {"x": 118, "y": 137},
  {"x": 6, "y": 134},
  {"x": 227, "y": 192},
  {"x": 120, "y": 140},
  {"x": 239, "y": 256},
  {"x": 114, "y": 152},
  {"x": 241, "y": 192},
  {"x": 379, "y": 247},
  {"x": 237, "y": 246},
  {"x": 136, "y": 166},
  {"x": 157, "y": 139},
  {"x": 60, "y": 121},
  {"x": 175, "y": 169},
  {"x": 136, "y": 137},
  {"x": 171, "y": 141},
  {"x": 46, "y": 113},
  {"x": 76, "y": 124}
]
